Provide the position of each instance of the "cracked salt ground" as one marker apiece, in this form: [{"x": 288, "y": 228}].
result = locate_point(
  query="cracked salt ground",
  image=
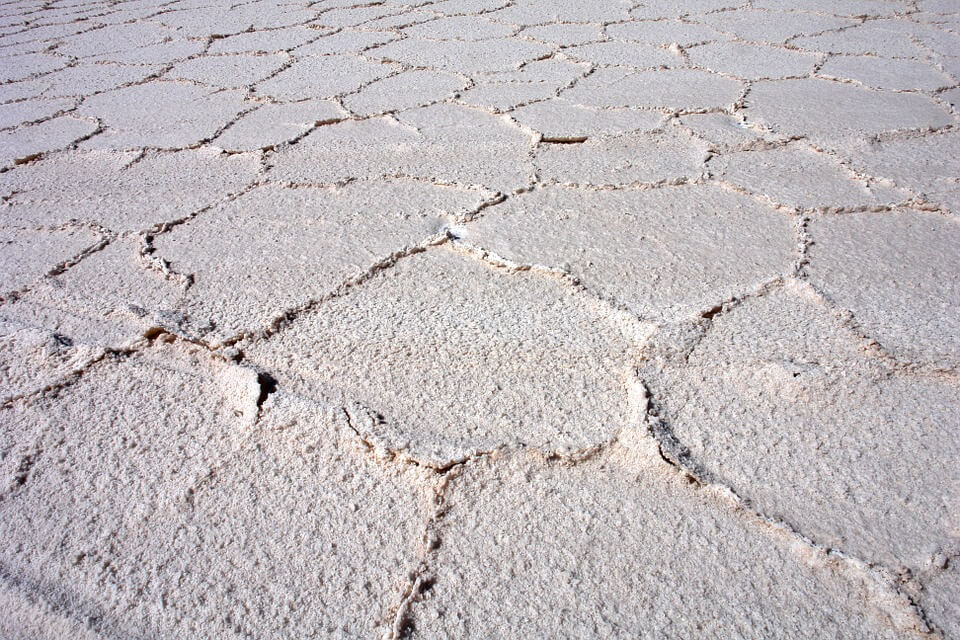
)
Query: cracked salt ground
[
  {"x": 797, "y": 419},
  {"x": 479, "y": 318},
  {"x": 160, "y": 500},
  {"x": 670, "y": 157},
  {"x": 444, "y": 143},
  {"x": 798, "y": 177},
  {"x": 122, "y": 191},
  {"x": 693, "y": 247},
  {"x": 626, "y": 548},
  {"x": 318, "y": 237},
  {"x": 896, "y": 282},
  {"x": 431, "y": 358}
]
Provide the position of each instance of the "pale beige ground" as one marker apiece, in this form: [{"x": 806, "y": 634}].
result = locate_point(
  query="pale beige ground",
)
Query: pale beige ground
[{"x": 480, "y": 319}]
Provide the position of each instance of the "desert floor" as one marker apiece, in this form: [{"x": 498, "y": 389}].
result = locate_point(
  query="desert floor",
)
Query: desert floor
[{"x": 480, "y": 319}]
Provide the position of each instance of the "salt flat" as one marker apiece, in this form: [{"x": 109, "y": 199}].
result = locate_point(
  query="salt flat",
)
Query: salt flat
[{"x": 480, "y": 319}]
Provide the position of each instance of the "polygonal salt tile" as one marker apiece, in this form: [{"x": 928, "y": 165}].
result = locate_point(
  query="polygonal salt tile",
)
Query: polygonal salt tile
[
  {"x": 23, "y": 48},
  {"x": 550, "y": 71},
  {"x": 624, "y": 548},
  {"x": 938, "y": 6},
  {"x": 160, "y": 114},
  {"x": 927, "y": 165},
  {"x": 459, "y": 28},
  {"x": 444, "y": 143},
  {"x": 661, "y": 32},
  {"x": 751, "y": 62},
  {"x": 948, "y": 64},
  {"x": 889, "y": 38},
  {"x": 624, "y": 54},
  {"x": 159, "y": 53},
  {"x": 23, "y": 90},
  {"x": 820, "y": 110},
  {"x": 511, "y": 357},
  {"x": 672, "y": 156},
  {"x": 564, "y": 34},
  {"x": 850, "y": 8},
  {"x": 36, "y": 32},
  {"x": 76, "y": 17},
  {"x": 462, "y": 57},
  {"x": 673, "y": 89},
  {"x": 121, "y": 37},
  {"x": 689, "y": 249},
  {"x": 463, "y": 7},
  {"x": 553, "y": 11},
  {"x": 307, "y": 482},
  {"x": 273, "y": 124},
  {"x": 28, "y": 142},
  {"x": 98, "y": 187},
  {"x": 108, "y": 299},
  {"x": 178, "y": 488},
  {"x": 336, "y": 4},
  {"x": 228, "y": 70},
  {"x": 799, "y": 177},
  {"x": 723, "y": 131},
  {"x": 896, "y": 272},
  {"x": 116, "y": 16},
  {"x": 389, "y": 25},
  {"x": 27, "y": 66},
  {"x": 951, "y": 97},
  {"x": 291, "y": 246},
  {"x": 939, "y": 41},
  {"x": 352, "y": 16},
  {"x": 504, "y": 96},
  {"x": 884, "y": 73},
  {"x": 16, "y": 113},
  {"x": 403, "y": 91},
  {"x": 29, "y": 255},
  {"x": 946, "y": 22},
  {"x": 343, "y": 42},
  {"x": 26, "y": 616},
  {"x": 782, "y": 405},
  {"x": 26, "y": 49},
  {"x": 204, "y": 20},
  {"x": 271, "y": 41},
  {"x": 87, "y": 79},
  {"x": 650, "y": 10},
  {"x": 942, "y": 42},
  {"x": 560, "y": 119},
  {"x": 322, "y": 77},
  {"x": 941, "y": 590},
  {"x": 771, "y": 26},
  {"x": 33, "y": 358}
]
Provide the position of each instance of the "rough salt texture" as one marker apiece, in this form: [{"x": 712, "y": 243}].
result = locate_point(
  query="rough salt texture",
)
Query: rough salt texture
[
  {"x": 122, "y": 192},
  {"x": 446, "y": 143},
  {"x": 691, "y": 248},
  {"x": 799, "y": 177},
  {"x": 892, "y": 271},
  {"x": 316, "y": 237},
  {"x": 642, "y": 158},
  {"x": 820, "y": 110},
  {"x": 621, "y": 544},
  {"x": 173, "y": 527},
  {"x": 35, "y": 359},
  {"x": 432, "y": 362},
  {"x": 927, "y": 166},
  {"x": 813, "y": 432},
  {"x": 479, "y": 318},
  {"x": 29, "y": 255}
]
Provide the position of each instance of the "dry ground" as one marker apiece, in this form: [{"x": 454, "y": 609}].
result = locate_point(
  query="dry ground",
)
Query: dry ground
[{"x": 479, "y": 319}]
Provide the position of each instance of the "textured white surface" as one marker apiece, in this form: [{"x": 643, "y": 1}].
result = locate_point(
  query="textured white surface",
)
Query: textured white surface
[{"x": 479, "y": 319}]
